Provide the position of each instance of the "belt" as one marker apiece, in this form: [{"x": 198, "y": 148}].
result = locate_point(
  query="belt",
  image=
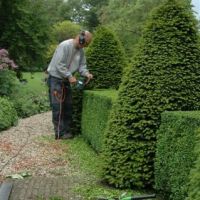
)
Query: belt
[{"x": 60, "y": 79}]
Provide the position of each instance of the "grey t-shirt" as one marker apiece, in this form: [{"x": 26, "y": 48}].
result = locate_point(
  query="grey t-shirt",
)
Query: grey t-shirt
[{"x": 66, "y": 60}]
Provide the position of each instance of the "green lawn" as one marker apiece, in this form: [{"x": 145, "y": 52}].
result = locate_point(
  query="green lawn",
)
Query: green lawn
[
  {"x": 35, "y": 82},
  {"x": 88, "y": 165}
]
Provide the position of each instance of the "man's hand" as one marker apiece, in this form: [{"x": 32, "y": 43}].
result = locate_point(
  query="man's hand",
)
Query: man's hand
[
  {"x": 89, "y": 76},
  {"x": 72, "y": 80}
]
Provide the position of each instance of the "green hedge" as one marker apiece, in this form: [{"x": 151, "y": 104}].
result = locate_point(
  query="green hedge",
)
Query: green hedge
[
  {"x": 96, "y": 109},
  {"x": 77, "y": 96},
  {"x": 175, "y": 155},
  {"x": 8, "y": 114},
  {"x": 164, "y": 75},
  {"x": 194, "y": 184}
]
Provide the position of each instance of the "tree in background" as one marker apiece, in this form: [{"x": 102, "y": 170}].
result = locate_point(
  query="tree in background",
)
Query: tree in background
[
  {"x": 165, "y": 75},
  {"x": 105, "y": 59},
  {"x": 92, "y": 14},
  {"x": 85, "y": 12},
  {"x": 59, "y": 32},
  {"x": 56, "y": 11},
  {"x": 127, "y": 19},
  {"x": 24, "y": 32}
]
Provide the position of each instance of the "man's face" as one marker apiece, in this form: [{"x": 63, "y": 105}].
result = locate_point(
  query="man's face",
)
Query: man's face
[{"x": 88, "y": 39}]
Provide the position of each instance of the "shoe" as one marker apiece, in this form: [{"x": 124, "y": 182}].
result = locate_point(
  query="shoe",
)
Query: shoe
[{"x": 66, "y": 136}]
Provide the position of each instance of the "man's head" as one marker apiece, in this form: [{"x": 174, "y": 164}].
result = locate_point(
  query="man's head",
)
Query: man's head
[{"x": 83, "y": 39}]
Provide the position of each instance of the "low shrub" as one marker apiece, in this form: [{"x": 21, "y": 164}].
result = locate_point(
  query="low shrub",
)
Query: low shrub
[
  {"x": 175, "y": 156},
  {"x": 31, "y": 97},
  {"x": 8, "y": 114},
  {"x": 8, "y": 80},
  {"x": 95, "y": 114},
  {"x": 5, "y": 61},
  {"x": 29, "y": 103}
]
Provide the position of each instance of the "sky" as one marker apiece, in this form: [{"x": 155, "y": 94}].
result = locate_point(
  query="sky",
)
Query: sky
[{"x": 196, "y": 8}]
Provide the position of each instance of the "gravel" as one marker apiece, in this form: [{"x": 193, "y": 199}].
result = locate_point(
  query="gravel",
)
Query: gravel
[{"x": 30, "y": 148}]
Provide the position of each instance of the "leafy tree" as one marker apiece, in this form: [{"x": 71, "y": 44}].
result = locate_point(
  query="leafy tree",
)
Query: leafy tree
[
  {"x": 85, "y": 12},
  {"x": 57, "y": 11},
  {"x": 65, "y": 30},
  {"x": 165, "y": 75},
  {"x": 92, "y": 14},
  {"x": 106, "y": 60},
  {"x": 25, "y": 31},
  {"x": 127, "y": 19},
  {"x": 59, "y": 32}
]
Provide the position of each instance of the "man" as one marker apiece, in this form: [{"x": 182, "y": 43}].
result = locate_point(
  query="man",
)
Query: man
[{"x": 68, "y": 58}]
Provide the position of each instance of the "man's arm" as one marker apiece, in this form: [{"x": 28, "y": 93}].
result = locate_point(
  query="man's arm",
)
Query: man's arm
[{"x": 61, "y": 61}]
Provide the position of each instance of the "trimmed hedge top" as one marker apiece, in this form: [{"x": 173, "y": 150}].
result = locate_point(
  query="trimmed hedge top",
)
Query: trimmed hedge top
[{"x": 112, "y": 94}]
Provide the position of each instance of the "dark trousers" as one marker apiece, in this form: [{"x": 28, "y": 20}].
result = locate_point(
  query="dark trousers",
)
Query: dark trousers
[{"x": 60, "y": 96}]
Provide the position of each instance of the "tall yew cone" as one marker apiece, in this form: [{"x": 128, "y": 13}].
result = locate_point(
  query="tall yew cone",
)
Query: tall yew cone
[
  {"x": 165, "y": 75},
  {"x": 105, "y": 59}
]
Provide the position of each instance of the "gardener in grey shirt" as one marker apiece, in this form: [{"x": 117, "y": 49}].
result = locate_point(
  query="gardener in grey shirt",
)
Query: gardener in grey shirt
[{"x": 68, "y": 58}]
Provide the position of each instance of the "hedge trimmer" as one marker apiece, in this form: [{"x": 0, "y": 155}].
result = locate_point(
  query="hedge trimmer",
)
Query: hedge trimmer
[{"x": 81, "y": 83}]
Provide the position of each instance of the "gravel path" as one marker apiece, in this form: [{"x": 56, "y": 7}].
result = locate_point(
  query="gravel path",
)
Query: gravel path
[{"x": 30, "y": 147}]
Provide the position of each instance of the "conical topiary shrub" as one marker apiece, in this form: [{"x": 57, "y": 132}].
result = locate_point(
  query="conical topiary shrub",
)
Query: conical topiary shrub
[
  {"x": 105, "y": 59},
  {"x": 165, "y": 75}
]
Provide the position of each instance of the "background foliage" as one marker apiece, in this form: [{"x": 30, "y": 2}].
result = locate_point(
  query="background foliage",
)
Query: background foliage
[
  {"x": 59, "y": 32},
  {"x": 86, "y": 12},
  {"x": 28, "y": 24},
  {"x": 24, "y": 32},
  {"x": 127, "y": 19}
]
